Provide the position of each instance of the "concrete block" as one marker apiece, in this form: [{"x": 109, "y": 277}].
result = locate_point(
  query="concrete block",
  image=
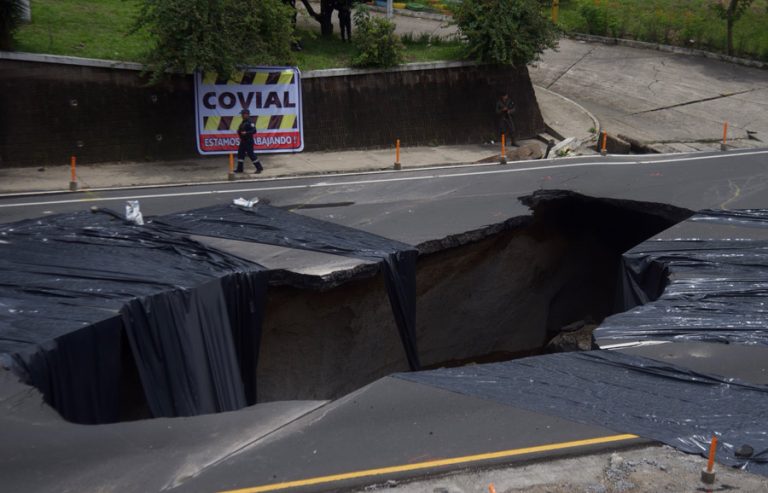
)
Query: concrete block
[{"x": 563, "y": 147}]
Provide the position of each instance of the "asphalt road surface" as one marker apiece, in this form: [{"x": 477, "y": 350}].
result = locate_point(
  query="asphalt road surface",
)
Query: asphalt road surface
[{"x": 419, "y": 205}]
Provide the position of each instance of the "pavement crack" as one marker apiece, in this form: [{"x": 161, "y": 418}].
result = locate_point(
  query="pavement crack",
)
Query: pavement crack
[
  {"x": 235, "y": 449},
  {"x": 735, "y": 192},
  {"x": 655, "y": 76},
  {"x": 585, "y": 55},
  {"x": 703, "y": 100}
]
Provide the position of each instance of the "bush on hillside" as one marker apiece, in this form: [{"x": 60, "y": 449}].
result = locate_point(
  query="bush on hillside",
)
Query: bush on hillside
[
  {"x": 375, "y": 40},
  {"x": 507, "y": 32},
  {"x": 598, "y": 21},
  {"x": 215, "y": 36}
]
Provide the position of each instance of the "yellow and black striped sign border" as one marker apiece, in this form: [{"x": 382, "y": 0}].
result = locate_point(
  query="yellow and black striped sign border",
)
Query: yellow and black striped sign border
[
  {"x": 263, "y": 122},
  {"x": 281, "y": 77}
]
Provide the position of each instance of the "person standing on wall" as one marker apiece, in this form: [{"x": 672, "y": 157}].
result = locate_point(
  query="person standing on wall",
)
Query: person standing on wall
[
  {"x": 345, "y": 19},
  {"x": 246, "y": 131},
  {"x": 505, "y": 108}
]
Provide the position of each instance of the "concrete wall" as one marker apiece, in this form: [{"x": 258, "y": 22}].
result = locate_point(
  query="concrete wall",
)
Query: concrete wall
[
  {"x": 54, "y": 107},
  {"x": 447, "y": 104},
  {"x": 50, "y": 111}
]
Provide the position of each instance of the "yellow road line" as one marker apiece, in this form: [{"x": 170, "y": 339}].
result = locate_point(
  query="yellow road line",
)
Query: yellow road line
[{"x": 435, "y": 463}]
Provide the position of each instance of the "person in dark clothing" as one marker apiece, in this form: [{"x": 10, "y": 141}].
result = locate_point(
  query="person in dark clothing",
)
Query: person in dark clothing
[
  {"x": 246, "y": 132},
  {"x": 345, "y": 19},
  {"x": 505, "y": 108}
]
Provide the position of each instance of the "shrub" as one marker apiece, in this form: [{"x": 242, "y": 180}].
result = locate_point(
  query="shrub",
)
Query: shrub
[
  {"x": 215, "y": 35},
  {"x": 599, "y": 20},
  {"x": 508, "y": 32},
  {"x": 375, "y": 41}
]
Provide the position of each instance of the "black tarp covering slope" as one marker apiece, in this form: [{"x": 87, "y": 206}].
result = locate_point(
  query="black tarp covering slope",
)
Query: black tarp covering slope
[
  {"x": 271, "y": 225},
  {"x": 70, "y": 284},
  {"x": 706, "y": 280},
  {"x": 628, "y": 394}
]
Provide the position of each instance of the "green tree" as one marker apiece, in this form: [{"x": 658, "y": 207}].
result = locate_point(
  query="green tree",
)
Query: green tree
[
  {"x": 375, "y": 40},
  {"x": 731, "y": 11},
  {"x": 11, "y": 12},
  {"x": 508, "y": 32},
  {"x": 215, "y": 35}
]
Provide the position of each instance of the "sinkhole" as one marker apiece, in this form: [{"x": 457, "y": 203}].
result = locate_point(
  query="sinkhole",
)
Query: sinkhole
[{"x": 528, "y": 285}]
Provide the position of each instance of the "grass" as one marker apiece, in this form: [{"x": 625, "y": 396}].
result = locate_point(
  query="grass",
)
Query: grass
[
  {"x": 320, "y": 53},
  {"x": 100, "y": 29},
  {"x": 425, "y": 47},
  {"x": 690, "y": 23},
  {"x": 424, "y": 53},
  {"x": 91, "y": 29}
]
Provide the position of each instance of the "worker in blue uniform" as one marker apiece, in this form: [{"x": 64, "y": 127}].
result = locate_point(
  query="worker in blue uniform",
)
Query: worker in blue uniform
[{"x": 246, "y": 131}]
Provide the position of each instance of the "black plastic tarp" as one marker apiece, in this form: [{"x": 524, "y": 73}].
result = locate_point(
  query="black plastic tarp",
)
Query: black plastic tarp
[
  {"x": 75, "y": 287},
  {"x": 71, "y": 284},
  {"x": 706, "y": 280},
  {"x": 271, "y": 225},
  {"x": 628, "y": 394}
]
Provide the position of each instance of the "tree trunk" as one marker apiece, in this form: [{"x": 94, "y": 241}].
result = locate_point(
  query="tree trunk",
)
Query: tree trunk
[
  {"x": 326, "y": 25},
  {"x": 324, "y": 17},
  {"x": 730, "y": 35}
]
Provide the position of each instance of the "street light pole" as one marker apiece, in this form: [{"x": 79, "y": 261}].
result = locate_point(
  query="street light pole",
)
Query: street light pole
[{"x": 390, "y": 12}]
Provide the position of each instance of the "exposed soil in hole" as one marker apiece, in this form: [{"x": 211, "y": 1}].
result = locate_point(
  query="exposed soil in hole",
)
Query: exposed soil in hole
[{"x": 487, "y": 295}]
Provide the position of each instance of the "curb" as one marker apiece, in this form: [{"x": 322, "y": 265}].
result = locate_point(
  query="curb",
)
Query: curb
[
  {"x": 411, "y": 13},
  {"x": 355, "y": 172},
  {"x": 668, "y": 49},
  {"x": 746, "y": 62},
  {"x": 595, "y": 121},
  {"x": 70, "y": 60},
  {"x": 300, "y": 175}
]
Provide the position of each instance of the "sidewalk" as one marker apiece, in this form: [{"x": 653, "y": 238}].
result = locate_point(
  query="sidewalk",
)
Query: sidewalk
[
  {"x": 216, "y": 169},
  {"x": 565, "y": 117},
  {"x": 670, "y": 102}
]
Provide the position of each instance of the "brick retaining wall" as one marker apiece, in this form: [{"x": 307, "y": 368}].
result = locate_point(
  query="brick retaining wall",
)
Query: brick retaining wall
[{"x": 54, "y": 107}]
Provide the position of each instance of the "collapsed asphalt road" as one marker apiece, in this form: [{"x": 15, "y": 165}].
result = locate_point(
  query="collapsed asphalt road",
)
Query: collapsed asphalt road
[{"x": 415, "y": 207}]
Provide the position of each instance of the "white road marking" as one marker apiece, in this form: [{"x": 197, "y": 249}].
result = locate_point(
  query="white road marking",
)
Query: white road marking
[{"x": 388, "y": 180}]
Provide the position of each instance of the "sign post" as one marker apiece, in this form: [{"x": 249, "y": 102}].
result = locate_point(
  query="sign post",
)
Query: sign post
[{"x": 273, "y": 96}]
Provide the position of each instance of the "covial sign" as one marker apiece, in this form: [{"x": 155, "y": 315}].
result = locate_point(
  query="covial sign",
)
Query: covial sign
[{"x": 273, "y": 96}]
